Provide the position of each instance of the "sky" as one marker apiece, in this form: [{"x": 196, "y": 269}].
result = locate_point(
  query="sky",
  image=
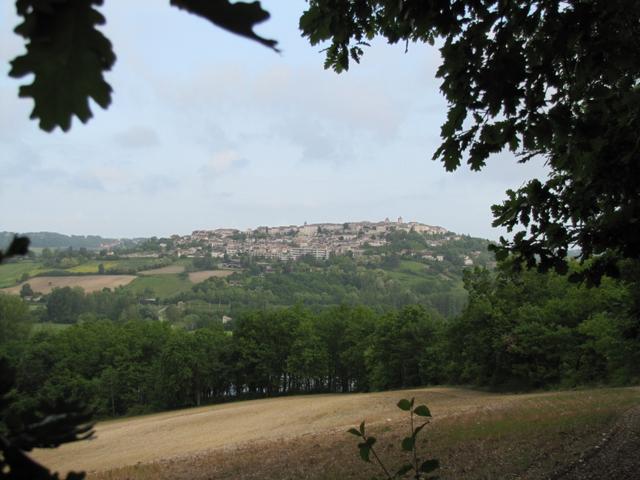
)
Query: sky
[{"x": 209, "y": 130}]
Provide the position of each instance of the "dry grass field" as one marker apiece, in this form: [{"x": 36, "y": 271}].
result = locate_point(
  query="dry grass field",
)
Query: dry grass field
[
  {"x": 474, "y": 434},
  {"x": 169, "y": 270},
  {"x": 90, "y": 283},
  {"x": 197, "y": 277}
]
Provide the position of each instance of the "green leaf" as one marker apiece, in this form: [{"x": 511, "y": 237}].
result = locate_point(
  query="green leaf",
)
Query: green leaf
[
  {"x": 422, "y": 411},
  {"x": 430, "y": 465},
  {"x": 67, "y": 56},
  {"x": 354, "y": 431},
  {"x": 417, "y": 430},
  {"x": 404, "y": 404},
  {"x": 408, "y": 443},
  {"x": 238, "y": 18},
  {"x": 365, "y": 450},
  {"x": 362, "y": 427}
]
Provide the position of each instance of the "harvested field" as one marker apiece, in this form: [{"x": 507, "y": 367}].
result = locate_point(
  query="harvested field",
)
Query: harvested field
[
  {"x": 169, "y": 270},
  {"x": 474, "y": 434},
  {"x": 90, "y": 283},
  {"x": 197, "y": 277}
]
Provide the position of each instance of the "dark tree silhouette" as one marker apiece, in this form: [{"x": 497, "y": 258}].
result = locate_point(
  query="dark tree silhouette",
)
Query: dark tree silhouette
[{"x": 68, "y": 55}]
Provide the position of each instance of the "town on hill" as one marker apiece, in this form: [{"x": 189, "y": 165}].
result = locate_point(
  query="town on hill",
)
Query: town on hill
[
  {"x": 291, "y": 242},
  {"x": 384, "y": 264}
]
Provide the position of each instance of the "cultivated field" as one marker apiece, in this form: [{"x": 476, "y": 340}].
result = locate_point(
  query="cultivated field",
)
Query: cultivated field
[
  {"x": 474, "y": 434},
  {"x": 197, "y": 277},
  {"x": 90, "y": 283}
]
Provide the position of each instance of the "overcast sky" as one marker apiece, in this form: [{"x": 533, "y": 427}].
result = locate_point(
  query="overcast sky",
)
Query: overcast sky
[{"x": 209, "y": 130}]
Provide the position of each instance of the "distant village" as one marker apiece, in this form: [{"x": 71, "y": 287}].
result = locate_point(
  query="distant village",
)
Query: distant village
[{"x": 290, "y": 242}]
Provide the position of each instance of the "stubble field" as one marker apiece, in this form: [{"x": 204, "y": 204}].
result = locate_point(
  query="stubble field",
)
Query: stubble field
[
  {"x": 474, "y": 434},
  {"x": 90, "y": 283}
]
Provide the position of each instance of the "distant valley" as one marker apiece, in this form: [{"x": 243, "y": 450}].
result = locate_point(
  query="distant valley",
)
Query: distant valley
[{"x": 384, "y": 264}]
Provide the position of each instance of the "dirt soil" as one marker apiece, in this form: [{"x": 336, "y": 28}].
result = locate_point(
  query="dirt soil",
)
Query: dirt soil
[
  {"x": 193, "y": 431},
  {"x": 197, "y": 277},
  {"x": 217, "y": 442},
  {"x": 90, "y": 283},
  {"x": 615, "y": 457}
]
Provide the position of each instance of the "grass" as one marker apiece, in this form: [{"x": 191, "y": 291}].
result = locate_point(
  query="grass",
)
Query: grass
[
  {"x": 484, "y": 437},
  {"x": 409, "y": 279},
  {"x": 163, "y": 286},
  {"x": 414, "y": 268},
  {"x": 92, "y": 266},
  {"x": 48, "y": 327},
  {"x": 10, "y": 273}
]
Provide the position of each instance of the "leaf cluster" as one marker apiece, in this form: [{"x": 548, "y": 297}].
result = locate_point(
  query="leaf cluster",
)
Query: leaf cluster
[
  {"x": 419, "y": 468},
  {"x": 65, "y": 423}
]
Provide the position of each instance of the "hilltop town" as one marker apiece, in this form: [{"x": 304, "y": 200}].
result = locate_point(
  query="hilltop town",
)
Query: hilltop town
[{"x": 291, "y": 242}]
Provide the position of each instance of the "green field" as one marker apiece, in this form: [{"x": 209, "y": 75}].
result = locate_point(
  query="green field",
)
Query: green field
[
  {"x": 10, "y": 273},
  {"x": 413, "y": 268},
  {"x": 92, "y": 266},
  {"x": 48, "y": 327},
  {"x": 163, "y": 286}
]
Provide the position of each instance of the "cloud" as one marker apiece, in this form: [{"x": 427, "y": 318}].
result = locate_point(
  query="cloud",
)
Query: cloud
[
  {"x": 157, "y": 183},
  {"x": 223, "y": 162},
  {"x": 137, "y": 137},
  {"x": 317, "y": 141}
]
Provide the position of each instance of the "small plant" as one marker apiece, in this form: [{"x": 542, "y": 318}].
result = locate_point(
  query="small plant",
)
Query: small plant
[{"x": 416, "y": 469}]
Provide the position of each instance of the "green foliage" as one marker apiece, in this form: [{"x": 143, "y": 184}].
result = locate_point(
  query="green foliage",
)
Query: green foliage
[
  {"x": 531, "y": 330},
  {"x": 15, "y": 323},
  {"x": 64, "y": 305},
  {"x": 522, "y": 331},
  {"x": 58, "y": 240},
  {"x": 26, "y": 290},
  {"x": 419, "y": 467},
  {"x": 404, "y": 350},
  {"x": 339, "y": 281},
  {"x": 24, "y": 423},
  {"x": 530, "y": 77}
]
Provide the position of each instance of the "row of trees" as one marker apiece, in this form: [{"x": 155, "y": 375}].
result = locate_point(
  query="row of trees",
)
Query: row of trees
[
  {"x": 518, "y": 331},
  {"x": 143, "y": 365},
  {"x": 69, "y": 305}
]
